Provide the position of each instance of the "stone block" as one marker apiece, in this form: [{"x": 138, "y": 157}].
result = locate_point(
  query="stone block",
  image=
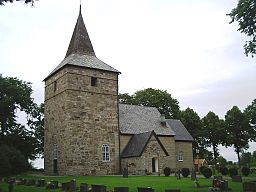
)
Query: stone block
[
  {"x": 145, "y": 189},
  {"x": 84, "y": 187},
  {"x": 249, "y": 186},
  {"x": 172, "y": 190},
  {"x": 121, "y": 189},
  {"x": 237, "y": 178},
  {"x": 99, "y": 188}
]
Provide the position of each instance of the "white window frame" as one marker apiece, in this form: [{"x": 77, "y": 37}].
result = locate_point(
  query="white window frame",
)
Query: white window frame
[
  {"x": 105, "y": 153},
  {"x": 180, "y": 156}
]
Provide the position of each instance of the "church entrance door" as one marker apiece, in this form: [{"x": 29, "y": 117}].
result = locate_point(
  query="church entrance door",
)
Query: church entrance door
[{"x": 154, "y": 165}]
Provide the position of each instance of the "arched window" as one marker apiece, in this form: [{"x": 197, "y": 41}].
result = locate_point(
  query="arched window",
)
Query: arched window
[
  {"x": 180, "y": 156},
  {"x": 105, "y": 152}
]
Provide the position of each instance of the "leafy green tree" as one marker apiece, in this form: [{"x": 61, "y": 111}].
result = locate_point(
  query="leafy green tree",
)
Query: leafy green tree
[
  {"x": 193, "y": 124},
  {"x": 238, "y": 130},
  {"x": 250, "y": 113},
  {"x": 36, "y": 123},
  {"x": 162, "y": 100},
  {"x": 245, "y": 14},
  {"x": 246, "y": 158},
  {"x": 12, "y": 161},
  {"x": 11, "y": 1},
  {"x": 222, "y": 161},
  {"x": 21, "y": 139},
  {"x": 214, "y": 131},
  {"x": 125, "y": 98},
  {"x": 15, "y": 96}
]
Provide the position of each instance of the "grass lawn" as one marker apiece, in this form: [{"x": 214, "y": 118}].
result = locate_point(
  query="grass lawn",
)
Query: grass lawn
[{"x": 158, "y": 183}]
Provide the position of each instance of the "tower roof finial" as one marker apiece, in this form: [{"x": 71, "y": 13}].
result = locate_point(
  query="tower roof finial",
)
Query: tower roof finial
[{"x": 80, "y": 7}]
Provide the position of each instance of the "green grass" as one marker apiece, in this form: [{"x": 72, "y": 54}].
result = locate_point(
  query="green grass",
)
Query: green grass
[{"x": 158, "y": 183}]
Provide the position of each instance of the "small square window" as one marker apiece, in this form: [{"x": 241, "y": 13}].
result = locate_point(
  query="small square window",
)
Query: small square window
[
  {"x": 54, "y": 86},
  {"x": 93, "y": 81}
]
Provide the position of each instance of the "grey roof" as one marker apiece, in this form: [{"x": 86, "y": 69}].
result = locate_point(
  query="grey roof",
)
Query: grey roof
[
  {"x": 80, "y": 51},
  {"x": 181, "y": 132},
  {"x": 87, "y": 61},
  {"x": 138, "y": 143},
  {"x": 135, "y": 119},
  {"x": 80, "y": 41}
]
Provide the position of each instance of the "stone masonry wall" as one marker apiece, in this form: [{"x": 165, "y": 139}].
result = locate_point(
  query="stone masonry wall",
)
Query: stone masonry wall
[
  {"x": 79, "y": 119},
  {"x": 124, "y": 140},
  {"x": 141, "y": 165},
  {"x": 186, "y": 148},
  {"x": 169, "y": 144}
]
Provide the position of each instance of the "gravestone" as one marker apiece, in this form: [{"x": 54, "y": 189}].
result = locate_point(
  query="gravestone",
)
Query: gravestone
[
  {"x": 121, "y": 189},
  {"x": 30, "y": 182},
  {"x": 249, "y": 186},
  {"x": 224, "y": 185},
  {"x": 237, "y": 178},
  {"x": 10, "y": 186},
  {"x": 178, "y": 174},
  {"x": 193, "y": 175},
  {"x": 64, "y": 186},
  {"x": 217, "y": 177},
  {"x": 84, "y": 187},
  {"x": 72, "y": 185},
  {"x": 41, "y": 183},
  {"x": 53, "y": 185},
  {"x": 99, "y": 188},
  {"x": 172, "y": 190},
  {"x": 145, "y": 189},
  {"x": 125, "y": 172}
]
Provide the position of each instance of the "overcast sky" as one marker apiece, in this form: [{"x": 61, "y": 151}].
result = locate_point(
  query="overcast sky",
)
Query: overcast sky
[{"x": 185, "y": 47}]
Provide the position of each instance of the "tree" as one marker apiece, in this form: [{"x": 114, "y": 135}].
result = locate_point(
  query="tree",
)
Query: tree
[
  {"x": 162, "y": 100},
  {"x": 222, "y": 161},
  {"x": 214, "y": 130},
  {"x": 11, "y": 1},
  {"x": 250, "y": 113},
  {"x": 21, "y": 139},
  {"x": 36, "y": 123},
  {"x": 245, "y": 14},
  {"x": 193, "y": 124},
  {"x": 246, "y": 158},
  {"x": 125, "y": 99},
  {"x": 15, "y": 96},
  {"x": 238, "y": 130},
  {"x": 12, "y": 161}
]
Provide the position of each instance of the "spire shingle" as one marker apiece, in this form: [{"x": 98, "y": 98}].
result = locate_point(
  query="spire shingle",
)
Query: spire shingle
[{"x": 80, "y": 42}]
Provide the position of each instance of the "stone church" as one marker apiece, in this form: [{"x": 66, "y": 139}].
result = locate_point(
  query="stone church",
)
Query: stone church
[{"x": 87, "y": 132}]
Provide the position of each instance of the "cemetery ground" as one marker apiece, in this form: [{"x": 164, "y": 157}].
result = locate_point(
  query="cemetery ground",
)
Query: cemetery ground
[{"x": 159, "y": 183}]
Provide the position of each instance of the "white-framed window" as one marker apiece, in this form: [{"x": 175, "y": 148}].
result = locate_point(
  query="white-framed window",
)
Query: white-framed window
[
  {"x": 180, "y": 156},
  {"x": 105, "y": 152}
]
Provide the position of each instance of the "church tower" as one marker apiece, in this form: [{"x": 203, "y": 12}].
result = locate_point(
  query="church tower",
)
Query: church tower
[{"x": 81, "y": 112}]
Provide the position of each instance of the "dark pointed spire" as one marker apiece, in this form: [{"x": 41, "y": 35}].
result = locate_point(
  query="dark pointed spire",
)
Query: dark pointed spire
[{"x": 80, "y": 42}]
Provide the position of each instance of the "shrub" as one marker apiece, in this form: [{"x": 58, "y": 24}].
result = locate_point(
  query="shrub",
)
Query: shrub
[
  {"x": 233, "y": 171},
  {"x": 224, "y": 170},
  {"x": 245, "y": 171},
  {"x": 201, "y": 169},
  {"x": 207, "y": 172},
  {"x": 185, "y": 172},
  {"x": 167, "y": 171}
]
